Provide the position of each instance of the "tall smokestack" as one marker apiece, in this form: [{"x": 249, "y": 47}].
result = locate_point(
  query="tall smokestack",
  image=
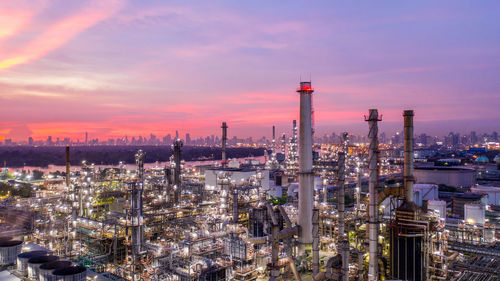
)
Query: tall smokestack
[
  {"x": 224, "y": 140},
  {"x": 372, "y": 188},
  {"x": 177, "y": 171},
  {"x": 341, "y": 191},
  {"x": 315, "y": 246},
  {"x": 408, "y": 155},
  {"x": 305, "y": 167},
  {"x": 344, "y": 244},
  {"x": 137, "y": 208},
  {"x": 274, "y": 134},
  {"x": 67, "y": 167}
]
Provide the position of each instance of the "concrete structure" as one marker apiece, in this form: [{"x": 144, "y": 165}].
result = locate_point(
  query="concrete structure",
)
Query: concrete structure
[
  {"x": 305, "y": 166},
  {"x": 437, "y": 206},
  {"x": 450, "y": 176},
  {"x": 474, "y": 213},
  {"x": 492, "y": 192}
]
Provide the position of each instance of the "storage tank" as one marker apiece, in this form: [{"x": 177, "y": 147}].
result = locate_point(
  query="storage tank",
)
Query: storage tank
[
  {"x": 22, "y": 260},
  {"x": 425, "y": 192},
  {"x": 450, "y": 176},
  {"x": 46, "y": 269},
  {"x": 9, "y": 249},
  {"x": 438, "y": 206},
  {"x": 35, "y": 262},
  {"x": 474, "y": 213},
  {"x": 493, "y": 193},
  {"x": 71, "y": 273}
]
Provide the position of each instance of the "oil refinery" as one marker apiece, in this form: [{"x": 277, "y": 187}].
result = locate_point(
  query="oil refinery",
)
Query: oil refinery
[{"x": 345, "y": 211}]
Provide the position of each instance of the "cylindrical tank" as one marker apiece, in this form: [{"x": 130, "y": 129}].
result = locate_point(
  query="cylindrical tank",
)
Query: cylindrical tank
[
  {"x": 474, "y": 213},
  {"x": 35, "y": 262},
  {"x": 71, "y": 273},
  {"x": 22, "y": 260},
  {"x": 5, "y": 238},
  {"x": 9, "y": 250},
  {"x": 438, "y": 206},
  {"x": 46, "y": 269}
]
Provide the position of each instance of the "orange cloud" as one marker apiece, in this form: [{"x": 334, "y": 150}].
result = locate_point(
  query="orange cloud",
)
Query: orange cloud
[{"x": 61, "y": 32}]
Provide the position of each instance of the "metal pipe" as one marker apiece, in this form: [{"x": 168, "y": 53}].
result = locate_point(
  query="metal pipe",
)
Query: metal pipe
[
  {"x": 372, "y": 120},
  {"x": 345, "y": 260},
  {"x": 270, "y": 211},
  {"x": 288, "y": 222},
  {"x": 408, "y": 155},
  {"x": 305, "y": 167},
  {"x": 294, "y": 268},
  {"x": 224, "y": 140},
  {"x": 275, "y": 246}
]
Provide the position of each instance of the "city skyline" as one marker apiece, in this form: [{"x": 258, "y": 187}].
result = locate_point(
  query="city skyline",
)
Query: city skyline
[
  {"x": 422, "y": 139},
  {"x": 116, "y": 68}
]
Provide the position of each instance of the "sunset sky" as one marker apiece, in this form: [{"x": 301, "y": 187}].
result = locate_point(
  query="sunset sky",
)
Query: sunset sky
[{"x": 116, "y": 68}]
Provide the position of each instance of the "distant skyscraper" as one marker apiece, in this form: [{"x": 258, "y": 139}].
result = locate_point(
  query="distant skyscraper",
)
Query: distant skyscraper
[
  {"x": 188, "y": 139},
  {"x": 167, "y": 139},
  {"x": 176, "y": 134},
  {"x": 473, "y": 137},
  {"x": 86, "y": 138}
]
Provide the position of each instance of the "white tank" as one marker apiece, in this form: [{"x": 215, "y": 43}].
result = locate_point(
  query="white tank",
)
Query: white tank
[
  {"x": 46, "y": 269},
  {"x": 474, "y": 213},
  {"x": 437, "y": 206},
  {"x": 493, "y": 193},
  {"x": 34, "y": 264},
  {"x": 71, "y": 273},
  {"x": 9, "y": 250},
  {"x": 22, "y": 260}
]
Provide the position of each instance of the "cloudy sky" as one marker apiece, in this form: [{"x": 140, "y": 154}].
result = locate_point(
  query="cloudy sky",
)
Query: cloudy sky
[{"x": 116, "y": 68}]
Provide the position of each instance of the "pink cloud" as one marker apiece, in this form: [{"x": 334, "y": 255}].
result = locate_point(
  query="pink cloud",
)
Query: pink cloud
[{"x": 61, "y": 32}]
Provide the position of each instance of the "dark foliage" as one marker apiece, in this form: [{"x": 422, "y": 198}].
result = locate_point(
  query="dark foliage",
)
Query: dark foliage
[{"x": 20, "y": 156}]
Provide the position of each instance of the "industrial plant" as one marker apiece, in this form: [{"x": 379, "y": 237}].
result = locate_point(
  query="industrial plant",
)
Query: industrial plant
[{"x": 308, "y": 211}]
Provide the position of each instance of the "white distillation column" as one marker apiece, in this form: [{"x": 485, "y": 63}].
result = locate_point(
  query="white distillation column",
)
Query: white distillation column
[{"x": 372, "y": 188}]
